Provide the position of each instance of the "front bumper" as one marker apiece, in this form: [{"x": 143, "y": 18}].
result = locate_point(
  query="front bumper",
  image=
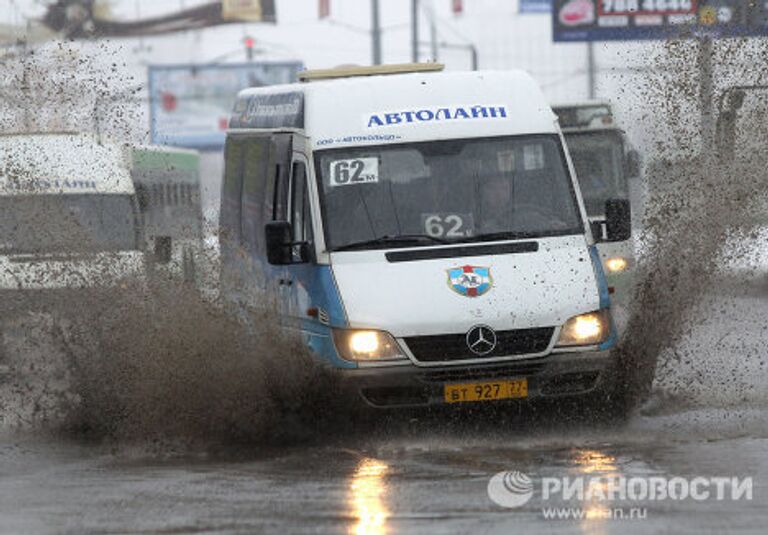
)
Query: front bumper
[{"x": 557, "y": 374}]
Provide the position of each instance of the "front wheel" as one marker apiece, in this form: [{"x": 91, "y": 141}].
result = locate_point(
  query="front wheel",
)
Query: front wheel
[
  {"x": 609, "y": 404},
  {"x": 621, "y": 393}
]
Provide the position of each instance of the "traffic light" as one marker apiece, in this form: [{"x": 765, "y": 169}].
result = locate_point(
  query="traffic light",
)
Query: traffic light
[{"x": 249, "y": 43}]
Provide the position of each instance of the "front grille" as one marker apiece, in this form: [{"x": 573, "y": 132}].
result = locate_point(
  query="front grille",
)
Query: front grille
[
  {"x": 448, "y": 347},
  {"x": 524, "y": 368}
]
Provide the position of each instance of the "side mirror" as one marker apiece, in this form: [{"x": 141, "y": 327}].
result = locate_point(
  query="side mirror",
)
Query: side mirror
[
  {"x": 618, "y": 220},
  {"x": 279, "y": 244},
  {"x": 163, "y": 248},
  {"x": 632, "y": 164}
]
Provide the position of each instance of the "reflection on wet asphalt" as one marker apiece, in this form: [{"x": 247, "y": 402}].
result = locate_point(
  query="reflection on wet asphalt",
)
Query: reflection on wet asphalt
[
  {"x": 400, "y": 486},
  {"x": 417, "y": 475}
]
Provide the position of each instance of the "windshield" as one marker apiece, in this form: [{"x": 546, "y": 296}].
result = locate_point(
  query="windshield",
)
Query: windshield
[
  {"x": 447, "y": 191},
  {"x": 598, "y": 159},
  {"x": 38, "y": 224}
]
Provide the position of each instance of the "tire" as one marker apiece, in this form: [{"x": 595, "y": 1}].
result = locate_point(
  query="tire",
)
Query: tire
[
  {"x": 619, "y": 394},
  {"x": 609, "y": 404}
]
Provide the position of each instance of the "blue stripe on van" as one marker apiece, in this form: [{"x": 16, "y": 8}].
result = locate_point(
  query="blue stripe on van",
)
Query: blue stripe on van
[
  {"x": 333, "y": 305},
  {"x": 605, "y": 296},
  {"x": 319, "y": 284},
  {"x": 610, "y": 342},
  {"x": 337, "y": 317},
  {"x": 602, "y": 282}
]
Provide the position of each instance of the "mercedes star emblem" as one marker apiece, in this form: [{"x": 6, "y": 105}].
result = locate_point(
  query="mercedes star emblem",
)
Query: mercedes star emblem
[{"x": 481, "y": 340}]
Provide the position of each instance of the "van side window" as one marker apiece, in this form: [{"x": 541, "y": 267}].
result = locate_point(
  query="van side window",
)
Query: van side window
[
  {"x": 299, "y": 204},
  {"x": 280, "y": 202},
  {"x": 255, "y": 177},
  {"x": 301, "y": 220},
  {"x": 276, "y": 195}
]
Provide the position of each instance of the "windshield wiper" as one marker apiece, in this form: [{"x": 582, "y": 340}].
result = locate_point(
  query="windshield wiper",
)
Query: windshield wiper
[
  {"x": 392, "y": 240},
  {"x": 493, "y": 236}
]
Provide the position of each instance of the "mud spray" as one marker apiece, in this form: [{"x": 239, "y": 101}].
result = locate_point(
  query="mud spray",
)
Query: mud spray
[
  {"x": 136, "y": 360},
  {"x": 699, "y": 196},
  {"x": 134, "y": 365},
  {"x": 138, "y": 365}
]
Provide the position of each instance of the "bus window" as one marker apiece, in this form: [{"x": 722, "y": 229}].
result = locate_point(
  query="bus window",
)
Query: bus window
[
  {"x": 156, "y": 196},
  {"x": 255, "y": 176},
  {"x": 142, "y": 197}
]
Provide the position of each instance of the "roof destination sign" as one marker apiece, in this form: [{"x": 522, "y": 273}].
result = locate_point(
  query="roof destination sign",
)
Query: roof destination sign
[
  {"x": 278, "y": 110},
  {"x": 607, "y": 20}
]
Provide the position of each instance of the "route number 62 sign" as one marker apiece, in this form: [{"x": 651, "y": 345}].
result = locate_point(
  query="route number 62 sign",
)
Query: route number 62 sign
[{"x": 354, "y": 171}]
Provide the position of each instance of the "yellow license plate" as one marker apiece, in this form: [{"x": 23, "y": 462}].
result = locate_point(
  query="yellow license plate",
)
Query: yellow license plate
[{"x": 485, "y": 391}]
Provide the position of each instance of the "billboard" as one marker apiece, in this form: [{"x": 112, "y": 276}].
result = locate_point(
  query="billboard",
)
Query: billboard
[
  {"x": 190, "y": 105},
  {"x": 535, "y": 6},
  {"x": 606, "y": 20},
  {"x": 248, "y": 10},
  {"x": 78, "y": 19}
]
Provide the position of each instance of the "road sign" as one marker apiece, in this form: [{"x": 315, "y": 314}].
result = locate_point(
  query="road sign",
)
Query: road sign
[
  {"x": 190, "y": 105},
  {"x": 606, "y": 20}
]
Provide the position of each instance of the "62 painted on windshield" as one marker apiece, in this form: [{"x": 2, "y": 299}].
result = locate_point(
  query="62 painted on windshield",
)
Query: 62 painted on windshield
[
  {"x": 448, "y": 225},
  {"x": 354, "y": 171}
]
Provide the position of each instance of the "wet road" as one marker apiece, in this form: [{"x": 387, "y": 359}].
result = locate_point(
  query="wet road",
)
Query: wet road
[
  {"x": 411, "y": 484},
  {"x": 707, "y": 419}
]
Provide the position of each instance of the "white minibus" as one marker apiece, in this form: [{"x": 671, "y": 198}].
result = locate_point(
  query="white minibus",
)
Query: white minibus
[{"x": 424, "y": 232}]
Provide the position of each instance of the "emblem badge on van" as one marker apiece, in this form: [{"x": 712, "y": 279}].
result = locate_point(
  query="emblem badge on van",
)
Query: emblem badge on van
[
  {"x": 481, "y": 340},
  {"x": 470, "y": 281}
]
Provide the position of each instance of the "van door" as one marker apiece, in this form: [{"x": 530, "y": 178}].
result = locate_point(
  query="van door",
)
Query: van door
[
  {"x": 299, "y": 275},
  {"x": 276, "y": 208}
]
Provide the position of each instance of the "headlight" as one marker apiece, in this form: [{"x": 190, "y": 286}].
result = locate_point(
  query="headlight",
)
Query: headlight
[
  {"x": 586, "y": 329},
  {"x": 353, "y": 344},
  {"x": 616, "y": 264}
]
